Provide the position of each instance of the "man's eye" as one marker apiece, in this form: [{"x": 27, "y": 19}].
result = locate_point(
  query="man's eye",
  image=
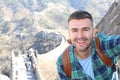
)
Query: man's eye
[
  {"x": 86, "y": 29},
  {"x": 74, "y": 30}
]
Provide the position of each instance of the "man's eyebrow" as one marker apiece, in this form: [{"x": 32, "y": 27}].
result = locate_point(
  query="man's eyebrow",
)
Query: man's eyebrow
[
  {"x": 82, "y": 28},
  {"x": 86, "y": 27},
  {"x": 74, "y": 28}
]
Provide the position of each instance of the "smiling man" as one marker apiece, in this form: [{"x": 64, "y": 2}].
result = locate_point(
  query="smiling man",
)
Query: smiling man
[
  {"x": 84, "y": 59},
  {"x": 80, "y": 32}
]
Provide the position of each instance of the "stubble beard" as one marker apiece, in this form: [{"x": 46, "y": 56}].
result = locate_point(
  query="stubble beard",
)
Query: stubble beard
[{"x": 86, "y": 48}]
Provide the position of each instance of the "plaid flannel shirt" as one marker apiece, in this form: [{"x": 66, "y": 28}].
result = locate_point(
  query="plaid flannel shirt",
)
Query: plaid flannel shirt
[{"x": 110, "y": 46}]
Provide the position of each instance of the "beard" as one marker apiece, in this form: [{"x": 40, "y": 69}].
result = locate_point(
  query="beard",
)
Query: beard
[{"x": 84, "y": 48}]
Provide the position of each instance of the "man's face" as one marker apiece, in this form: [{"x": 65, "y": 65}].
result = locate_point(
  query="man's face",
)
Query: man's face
[{"x": 81, "y": 33}]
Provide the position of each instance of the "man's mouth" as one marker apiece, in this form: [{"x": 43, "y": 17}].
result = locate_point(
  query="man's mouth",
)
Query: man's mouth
[{"x": 81, "y": 42}]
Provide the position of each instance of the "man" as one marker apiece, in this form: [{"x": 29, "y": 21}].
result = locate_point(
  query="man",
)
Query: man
[{"x": 84, "y": 59}]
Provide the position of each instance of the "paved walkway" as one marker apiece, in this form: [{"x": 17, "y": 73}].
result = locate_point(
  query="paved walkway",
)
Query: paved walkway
[{"x": 23, "y": 73}]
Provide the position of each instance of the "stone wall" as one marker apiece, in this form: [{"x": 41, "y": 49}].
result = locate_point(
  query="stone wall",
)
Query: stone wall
[
  {"x": 110, "y": 23},
  {"x": 36, "y": 67}
]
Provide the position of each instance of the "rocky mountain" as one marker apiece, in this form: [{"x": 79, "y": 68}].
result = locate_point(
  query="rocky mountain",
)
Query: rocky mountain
[
  {"x": 26, "y": 15},
  {"x": 46, "y": 41}
]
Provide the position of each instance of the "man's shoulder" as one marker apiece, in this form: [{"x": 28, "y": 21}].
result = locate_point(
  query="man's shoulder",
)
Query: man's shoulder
[
  {"x": 59, "y": 60},
  {"x": 103, "y": 36}
]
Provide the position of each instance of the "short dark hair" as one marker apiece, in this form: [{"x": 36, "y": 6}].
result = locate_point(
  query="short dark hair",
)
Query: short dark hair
[{"x": 80, "y": 14}]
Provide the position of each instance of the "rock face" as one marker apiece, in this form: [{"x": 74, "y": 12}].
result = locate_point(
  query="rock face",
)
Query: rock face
[
  {"x": 110, "y": 23},
  {"x": 46, "y": 41}
]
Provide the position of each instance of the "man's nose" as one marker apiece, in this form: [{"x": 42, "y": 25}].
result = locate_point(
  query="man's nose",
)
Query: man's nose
[{"x": 79, "y": 34}]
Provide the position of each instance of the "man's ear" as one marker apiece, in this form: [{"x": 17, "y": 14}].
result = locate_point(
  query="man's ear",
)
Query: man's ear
[
  {"x": 95, "y": 31},
  {"x": 69, "y": 41}
]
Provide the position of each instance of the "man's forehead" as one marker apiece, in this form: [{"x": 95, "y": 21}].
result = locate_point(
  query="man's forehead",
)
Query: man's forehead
[{"x": 80, "y": 23}]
